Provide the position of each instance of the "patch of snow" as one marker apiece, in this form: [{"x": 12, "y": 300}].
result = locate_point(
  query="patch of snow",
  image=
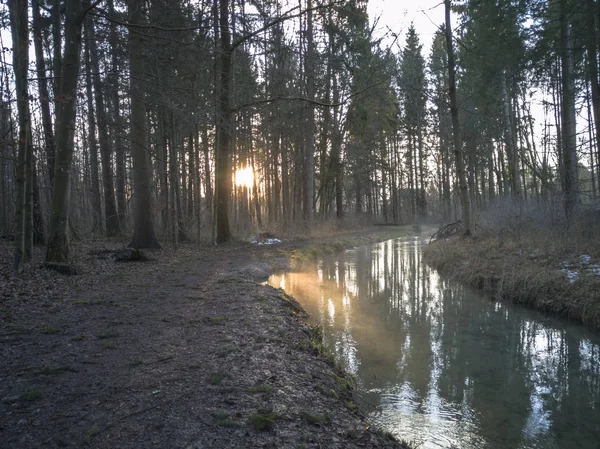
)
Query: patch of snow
[
  {"x": 571, "y": 274},
  {"x": 585, "y": 259},
  {"x": 266, "y": 242},
  {"x": 593, "y": 269}
]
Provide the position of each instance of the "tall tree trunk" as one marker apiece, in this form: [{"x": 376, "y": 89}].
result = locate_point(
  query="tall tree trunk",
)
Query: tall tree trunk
[
  {"x": 207, "y": 181},
  {"x": 163, "y": 166},
  {"x": 117, "y": 123},
  {"x": 94, "y": 166},
  {"x": 176, "y": 143},
  {"x": 569, "y": 131},
  {"x": 42, "y": 82},
  {"x": 173, "y": 204},
  {"x": 309, "y": 138},
  {"x": 422, "y": 196},
  {"x": 110, "y": 208},
  {"x": 28, "y": 231},
  {"x": 58, "y": 242},
  {"x": 458, "y": 152},
  {"x": 336, "y": 149},
  {"x": 197, "y": 202},
  {"x": 20, "y": 38},
  {"x": 490, "y": 168},
  {"x": 255, "y": 194},
  {"x": 556, "y": 101},
  {"x": 591, "y": 143},
  {"x": 411, "y": 183},
  {"x": 224, "y": 130},
  {"x": 39, "y": 228},
  {"x": 143, "y": 234},
  {"x": 285, "y": 185},
  {"x": 57, "y": 57},
  {"x": 592, "y": 55},
  {"x": 191, "y": 196},
  {"x": 511, "y": 143}
]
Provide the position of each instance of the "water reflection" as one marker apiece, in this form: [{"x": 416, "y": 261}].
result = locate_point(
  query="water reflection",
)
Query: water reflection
[{"x": 445, "y": 367}]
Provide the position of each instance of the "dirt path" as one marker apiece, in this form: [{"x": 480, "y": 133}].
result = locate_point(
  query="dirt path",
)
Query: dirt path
[{"x": 185, "y": 352}]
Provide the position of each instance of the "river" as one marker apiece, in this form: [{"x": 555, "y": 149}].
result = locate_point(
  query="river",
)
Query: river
[{"x": 443, "y": 366}]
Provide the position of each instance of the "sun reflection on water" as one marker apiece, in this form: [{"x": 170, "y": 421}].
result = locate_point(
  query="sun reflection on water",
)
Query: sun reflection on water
[{"x": 447, "y": 367}]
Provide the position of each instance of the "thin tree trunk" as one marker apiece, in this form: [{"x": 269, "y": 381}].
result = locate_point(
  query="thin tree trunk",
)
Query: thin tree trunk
[
  {"x": 285, "y": 185},
  {"x": 422, "y": 197},
  {"x": 197, "y": 199},
  {"x": 460, "y": 165},
  {"x": 309, "y": 138},
  {"x": 57, "y": 57},
  {"x": 511, "y": 144},
  {"x": 163, "y": 167},
  {"x": 110, "y": 208},
  {"x": 556, "y": 94},
  {"x": 173, "y": 195},
  {"x": 255, "y": 194},
  {"x": 39, "y": 228},
  {"x": 591, "y": 143},
  {"x": 19, "y": 25},
  {"x": 191, "y": 177},
  {"x": 42, "y": 82},
  {"x": 94, "y": 165},
  {"x": 182, "y": 173},
  {"x": 336, "y": 149},
  {"x": 593, "y": 14},
  {"x": 117, "y": 122},
  {"x": 176, "y": 181},
  {"x": 491, "y": 189},
  {"x": 207, "y": 181},
  {"x": 29, "y": 194}
]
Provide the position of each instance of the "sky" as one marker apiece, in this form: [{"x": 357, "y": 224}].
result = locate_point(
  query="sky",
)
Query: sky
[{"x": 397, "y": 15}]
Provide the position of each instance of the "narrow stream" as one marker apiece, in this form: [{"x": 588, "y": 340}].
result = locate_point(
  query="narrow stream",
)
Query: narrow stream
[{"x": 445, "y": 367}]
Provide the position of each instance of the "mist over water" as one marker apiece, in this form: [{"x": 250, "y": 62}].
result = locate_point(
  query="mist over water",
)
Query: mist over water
[{"x": 443, "y": 366}]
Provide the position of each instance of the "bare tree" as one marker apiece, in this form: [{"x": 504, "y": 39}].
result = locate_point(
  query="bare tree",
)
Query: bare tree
[
  {"x": 143, "y": 234},
  {"x": 20, "y": 37},
  {"x": 43, "y": 88},
  {"x": 57, "y": 250},
  {"x": 110, "y": 208},
  {"x": 569, "y": 131},
  {"x": 224, "y": 129},
  {"x": 458, "y": 153}
]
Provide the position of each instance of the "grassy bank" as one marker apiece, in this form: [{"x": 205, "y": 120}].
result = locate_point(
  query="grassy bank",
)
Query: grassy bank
[
  {"x": 341, "y": 242},
  {"x": 548, "y": 271}
]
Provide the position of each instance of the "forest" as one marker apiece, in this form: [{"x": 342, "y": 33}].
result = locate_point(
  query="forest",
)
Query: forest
[
  {"x": 164, "y": 121},
  {"x": 417, "y": 191}
]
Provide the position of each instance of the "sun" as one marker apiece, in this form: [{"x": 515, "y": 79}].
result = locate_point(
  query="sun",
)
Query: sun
[{"x": 244, "y": 177}]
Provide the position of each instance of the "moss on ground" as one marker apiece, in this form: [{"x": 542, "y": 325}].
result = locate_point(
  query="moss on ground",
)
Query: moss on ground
[
  {"x": 263, "y": 420},
  {"x": 313, "y": 252}
]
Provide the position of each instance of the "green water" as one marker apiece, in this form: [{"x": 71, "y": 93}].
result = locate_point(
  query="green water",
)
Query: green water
[{"x": 444, "y": 366}]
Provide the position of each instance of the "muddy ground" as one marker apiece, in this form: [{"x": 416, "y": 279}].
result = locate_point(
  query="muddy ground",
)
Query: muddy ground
[{"x": 188, "y": 350}]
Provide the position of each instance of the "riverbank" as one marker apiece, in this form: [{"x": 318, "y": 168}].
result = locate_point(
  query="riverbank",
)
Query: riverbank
[
  {"x": 188, "y": 350},
  {"x": 549, "y": 273}
]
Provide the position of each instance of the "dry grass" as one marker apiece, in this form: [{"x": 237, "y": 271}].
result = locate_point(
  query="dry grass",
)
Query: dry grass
[{"x": 522, "y": 259}]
